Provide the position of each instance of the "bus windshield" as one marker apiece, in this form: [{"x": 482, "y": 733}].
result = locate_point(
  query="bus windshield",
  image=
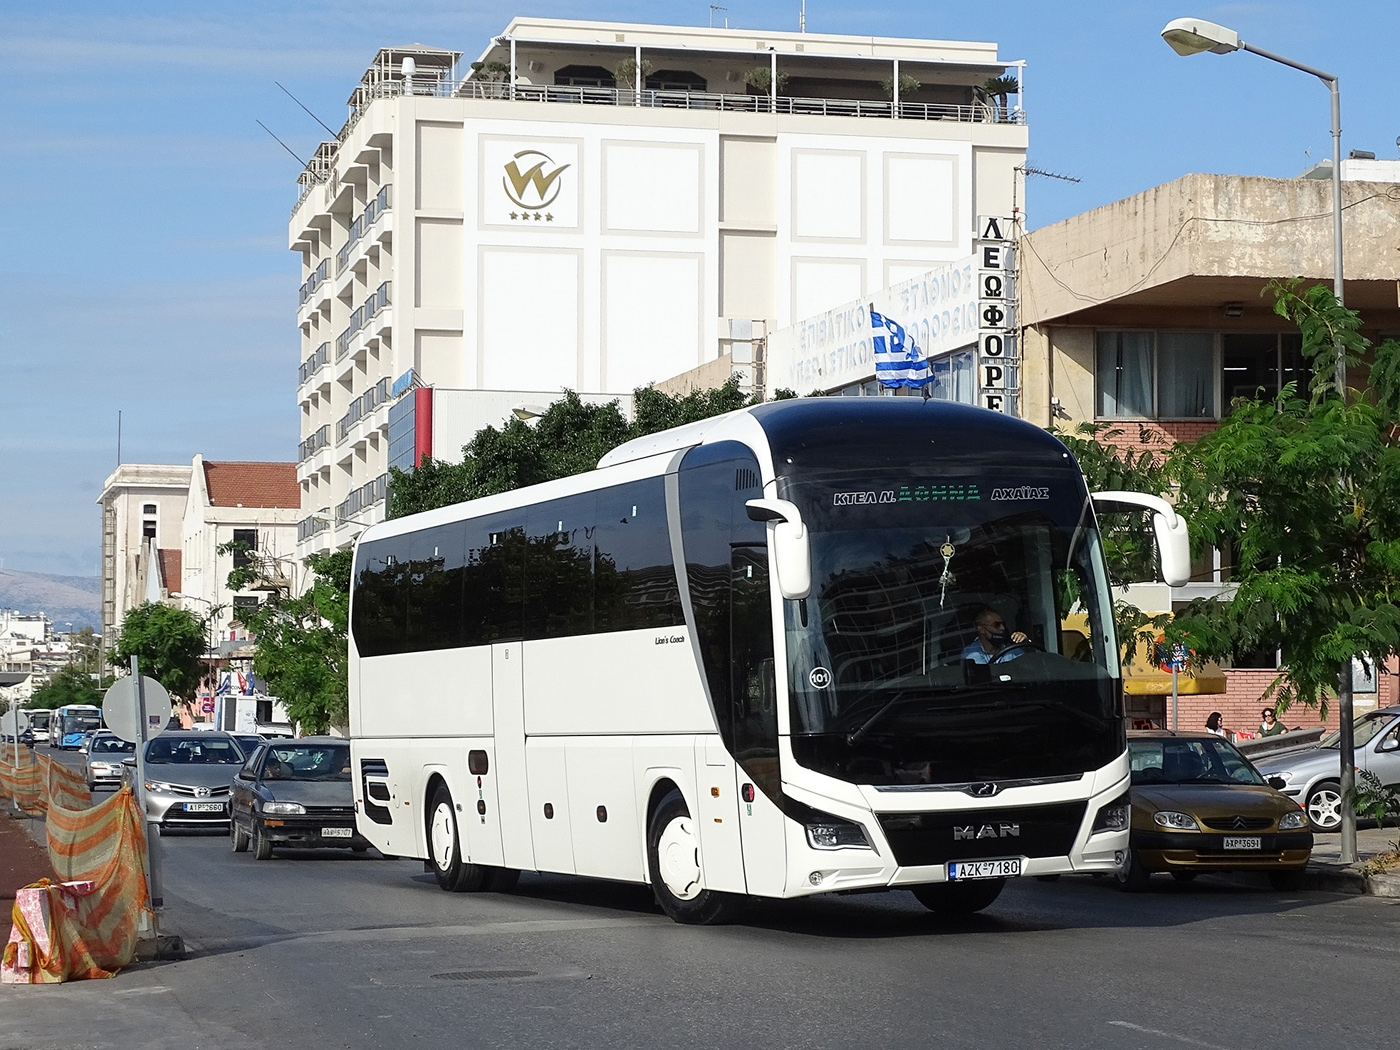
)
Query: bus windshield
[
  {"x": 957, "y": 630},
  {"x": 80, "y": 721}
]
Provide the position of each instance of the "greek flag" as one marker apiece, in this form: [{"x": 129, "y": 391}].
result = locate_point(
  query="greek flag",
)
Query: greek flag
[{"x": 898, "y": 361}]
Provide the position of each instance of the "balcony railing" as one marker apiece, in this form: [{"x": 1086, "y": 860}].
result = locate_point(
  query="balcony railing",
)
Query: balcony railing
[
  {"x": 308, "y": 527},
  {"x": 314, "y": 363},
  {"x": 362, "y": 406},
  {"x": 361, "y": 226},
  {"x": 362, "y": 498},
  {"x": 314, "y": 444},
  {"x": 377, "y": 301},
  {"x": 309, "y": 286}
]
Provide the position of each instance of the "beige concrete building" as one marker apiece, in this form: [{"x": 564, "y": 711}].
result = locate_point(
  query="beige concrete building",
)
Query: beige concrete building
[
  {"x": 598, "y": 206},
  {"x": 1147, "y": 315},
  {"x": 143, "y": 507}
]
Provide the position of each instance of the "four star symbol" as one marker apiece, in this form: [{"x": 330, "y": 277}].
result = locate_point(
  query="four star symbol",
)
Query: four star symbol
[{"x": 526, "y": 216}]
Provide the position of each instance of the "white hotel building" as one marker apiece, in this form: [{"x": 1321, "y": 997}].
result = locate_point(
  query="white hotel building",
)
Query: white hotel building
[{"x": 531, "y": 221}]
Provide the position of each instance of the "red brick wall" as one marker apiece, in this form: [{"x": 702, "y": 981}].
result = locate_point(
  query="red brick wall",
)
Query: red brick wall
[
  {"x": 1160, "y": 435},
  {"x": 1242, "y": 702}
]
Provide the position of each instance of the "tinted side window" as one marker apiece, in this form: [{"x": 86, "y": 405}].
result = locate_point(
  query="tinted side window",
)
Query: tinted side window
[
  {"x": 494, "y": 579},
  {"x": 435, "y": 580},
  {"x": 380, "y": 602},
  {"x": 559, "y": 568},
  {"x": 634, "y": 576}
]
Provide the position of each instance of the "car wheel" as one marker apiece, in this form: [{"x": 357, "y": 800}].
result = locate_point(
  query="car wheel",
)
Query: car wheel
[
  {"x": 445, "y": 847},
  {"x": 1132, "y": 876},
  {"x": 262, "y": 845},
  {"x": 673, "y": 862},
  {"x": 1325, "y": 806},
  {"x": 359, "y": 847},
  {"x": 237, "y": 837},
  {"x": 1184, "y": 876},
  {"x": 959, "y": 898},
  {"x": 1286, "y": 880}
]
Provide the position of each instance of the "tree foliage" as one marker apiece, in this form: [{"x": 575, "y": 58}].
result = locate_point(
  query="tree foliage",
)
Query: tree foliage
[
  {"x": 569, "y": 438},
  {"x": 169, "y": 643},
  {"x": 301, "y": 650},
  {"x": 69, "y": 685},
  {"x": 1305, "y": 488}
]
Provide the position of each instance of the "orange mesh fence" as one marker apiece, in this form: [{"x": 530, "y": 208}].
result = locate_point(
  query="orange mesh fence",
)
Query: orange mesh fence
[
  {"x": 63, "y": 786},
  {"x": 105, "y": 845},
  {"x": 49, "y": 942},
  {"x": 25, "y": 786}
]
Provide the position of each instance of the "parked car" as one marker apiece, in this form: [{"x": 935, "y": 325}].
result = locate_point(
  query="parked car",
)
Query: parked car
[
  {"x": 104, "y": 759},
  {"x": 295, "y": 793},
  {"x": 1199, "y": 806},
  {"x": 187, "y": 778},
  {"x": 85, "y": 744},
  {"x": 1311, "y": 775}
]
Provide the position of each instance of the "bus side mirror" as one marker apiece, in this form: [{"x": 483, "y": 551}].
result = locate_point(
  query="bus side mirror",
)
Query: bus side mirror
[
  {"x": 1173, "y": 540},
  {"x": 791, "y": 552}
]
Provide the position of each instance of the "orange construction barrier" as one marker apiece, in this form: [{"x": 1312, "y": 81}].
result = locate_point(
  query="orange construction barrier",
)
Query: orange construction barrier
[
  {"x": 47, "y": 943},
  {"x": 25, "y": 786}
]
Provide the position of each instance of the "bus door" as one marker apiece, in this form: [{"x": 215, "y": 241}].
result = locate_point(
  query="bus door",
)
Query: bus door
[{"x": 508, "y": 765}]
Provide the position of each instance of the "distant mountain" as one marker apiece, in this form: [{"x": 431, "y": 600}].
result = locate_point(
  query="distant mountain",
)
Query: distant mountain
[{"x": 64, "y": 599}]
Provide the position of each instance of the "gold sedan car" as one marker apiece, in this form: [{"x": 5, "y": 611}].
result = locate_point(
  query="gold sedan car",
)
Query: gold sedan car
[{"x": 1199, "y": 806}]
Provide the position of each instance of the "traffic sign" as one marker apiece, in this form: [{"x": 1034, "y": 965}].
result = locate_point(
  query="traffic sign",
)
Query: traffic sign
[
  {"x": 208, "y": 705},
  {"x": 120, "y": 713},
  {"x": 1172, "y": 658}
]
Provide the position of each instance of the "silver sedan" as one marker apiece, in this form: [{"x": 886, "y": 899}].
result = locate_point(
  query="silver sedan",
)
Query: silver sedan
[{"x": 188, "y": 775}]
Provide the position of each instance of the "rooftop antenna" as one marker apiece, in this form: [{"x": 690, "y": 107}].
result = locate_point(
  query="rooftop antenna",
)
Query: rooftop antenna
[
  {"x": 713, "y": 9},
  {"x": 802, "y": 18},
  {"x": 313, "y": 116},
  {"x": 279, "y": 141},
  {"x": 1026, "y": 169}
]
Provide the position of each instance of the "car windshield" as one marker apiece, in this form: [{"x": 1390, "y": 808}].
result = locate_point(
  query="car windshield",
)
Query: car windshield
[
  {"x": 1364, "y": 729},
  {"x": 1169, "y": 761},
  {"x": 203, "y": 750},
  {"x": 957, "y": 629},
  {"x": 112, "y": 745},
  {"x": 307, "y": 762}
]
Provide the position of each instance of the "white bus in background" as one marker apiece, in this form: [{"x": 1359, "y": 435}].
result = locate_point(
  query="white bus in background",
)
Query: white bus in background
[
  {"x": 601, "y": 676},
  {"x": 38, "y": 720}
]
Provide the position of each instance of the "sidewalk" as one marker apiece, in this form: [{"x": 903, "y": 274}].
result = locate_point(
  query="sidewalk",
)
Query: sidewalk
[
  {"x": 1327, "y": 872},
  {"x": 22, "y": 859}
]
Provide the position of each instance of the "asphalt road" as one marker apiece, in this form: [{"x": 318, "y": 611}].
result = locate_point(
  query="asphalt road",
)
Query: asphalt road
[{"x": 328, "y": 949}]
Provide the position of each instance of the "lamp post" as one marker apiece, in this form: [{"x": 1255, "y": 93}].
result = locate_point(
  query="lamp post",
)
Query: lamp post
[{"x": 1191, "y": 36}]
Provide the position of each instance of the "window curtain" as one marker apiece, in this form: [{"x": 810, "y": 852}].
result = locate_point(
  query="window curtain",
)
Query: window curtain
[
  {"x": 1186, "y": 375},
  {"x": 1124, "y": 375}
]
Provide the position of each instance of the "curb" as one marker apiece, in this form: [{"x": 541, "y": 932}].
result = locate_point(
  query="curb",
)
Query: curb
[{"x": 1337, "y": 879}]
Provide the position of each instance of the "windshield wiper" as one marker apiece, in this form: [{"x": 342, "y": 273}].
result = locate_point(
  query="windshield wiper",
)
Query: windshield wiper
[{"x": 855, "y": 736}]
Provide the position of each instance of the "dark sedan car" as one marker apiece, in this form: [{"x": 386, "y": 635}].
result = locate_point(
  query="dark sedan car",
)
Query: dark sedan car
[{"x": 295, "y": 793}]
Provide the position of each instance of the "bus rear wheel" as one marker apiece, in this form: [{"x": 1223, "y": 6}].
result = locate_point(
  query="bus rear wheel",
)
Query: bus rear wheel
[
  {"x": 959, "y": 898},
  {"x": 445, "y": 848},
  {"x": 673, "y": 861}
]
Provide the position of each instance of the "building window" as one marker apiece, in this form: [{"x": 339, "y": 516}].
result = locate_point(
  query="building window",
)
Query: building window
[
  {"x": 676, "y": 80},
  {"x": 584, "y": 76},
  {"x": 1251, "y": 362},
  {"x": 247, "y": 540},
  {"x": 148, "y": 521}
]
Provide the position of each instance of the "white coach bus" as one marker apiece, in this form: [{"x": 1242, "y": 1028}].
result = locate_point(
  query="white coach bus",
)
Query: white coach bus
[{"x": 810, "y": 646}]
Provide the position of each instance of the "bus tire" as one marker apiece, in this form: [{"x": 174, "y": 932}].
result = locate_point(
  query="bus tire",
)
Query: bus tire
[
  {"x": 501, "y": 880},
  {"x": 445, "y": 848},
  {"x": 673, "y": 862},
  {"x": 959, "y": 898}
]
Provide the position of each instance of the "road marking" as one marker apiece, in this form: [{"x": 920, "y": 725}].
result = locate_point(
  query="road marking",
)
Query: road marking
[
  {"x": 155, "y": 989},
  {"x": 1167, "y": 1035}
]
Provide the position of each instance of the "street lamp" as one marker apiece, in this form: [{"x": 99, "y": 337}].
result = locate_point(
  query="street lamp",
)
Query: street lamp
[{"x": 1191, "y": 36}]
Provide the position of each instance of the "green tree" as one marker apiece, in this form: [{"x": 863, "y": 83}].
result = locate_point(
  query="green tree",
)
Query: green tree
[
  {"x": 1305, "y": 487},
  {"x": 69, "y": 685},
  {"x": 301, "y": 650},
  {"x": 569, "y": 438},
  {"x": 169, "y": 643}
]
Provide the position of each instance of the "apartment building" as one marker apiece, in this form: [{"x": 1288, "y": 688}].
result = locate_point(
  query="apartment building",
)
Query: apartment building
[
  {"x": 162, "y": 525},
  {"x": 600, "y": 206}
]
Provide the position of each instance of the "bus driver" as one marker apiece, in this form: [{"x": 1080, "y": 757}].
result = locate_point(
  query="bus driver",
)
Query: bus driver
[{"x": 992, "y": 637}]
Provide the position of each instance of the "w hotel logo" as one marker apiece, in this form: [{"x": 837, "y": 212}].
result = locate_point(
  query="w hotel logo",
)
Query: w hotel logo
[{"x": 532, "y": 182}]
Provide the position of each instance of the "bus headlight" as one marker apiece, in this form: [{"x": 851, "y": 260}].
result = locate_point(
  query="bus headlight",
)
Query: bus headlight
[
  {"x": 837, "y": 834},
  {"x": 1112, "y": 816}
]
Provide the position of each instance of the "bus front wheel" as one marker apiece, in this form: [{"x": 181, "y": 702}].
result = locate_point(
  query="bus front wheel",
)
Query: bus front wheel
[
  {"x": 445, "y": 848},
  {"x": 673, "y": 858}
]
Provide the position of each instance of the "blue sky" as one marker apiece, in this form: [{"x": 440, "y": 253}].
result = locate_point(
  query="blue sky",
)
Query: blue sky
[{"x": 144, "y": 221}]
